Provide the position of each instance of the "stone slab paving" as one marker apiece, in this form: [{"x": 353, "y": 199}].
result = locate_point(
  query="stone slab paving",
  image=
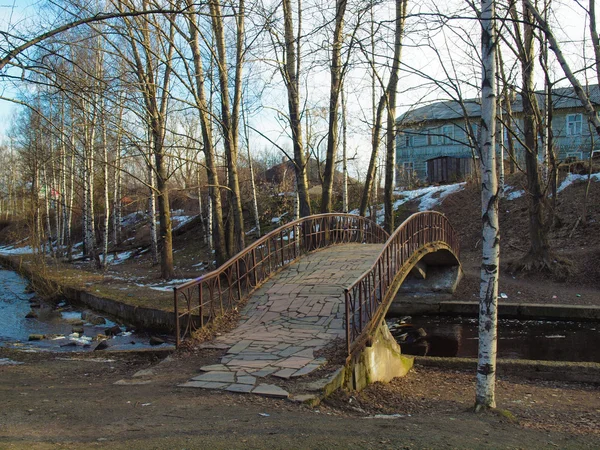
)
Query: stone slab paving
[{"x": 288, "y": 319}]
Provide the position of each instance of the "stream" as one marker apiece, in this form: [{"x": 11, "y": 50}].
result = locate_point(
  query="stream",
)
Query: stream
[
  {"x": 517, "y": 339},
  {"x": 60, "y": 327}
]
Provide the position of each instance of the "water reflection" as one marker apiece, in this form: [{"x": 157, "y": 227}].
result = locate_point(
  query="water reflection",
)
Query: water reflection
[{"x": 529, "y": 339}]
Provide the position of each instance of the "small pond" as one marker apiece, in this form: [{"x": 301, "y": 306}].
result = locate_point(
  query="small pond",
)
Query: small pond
[
  {"x": 517, "y": 339},
  {"x": 64, "y": 327}
]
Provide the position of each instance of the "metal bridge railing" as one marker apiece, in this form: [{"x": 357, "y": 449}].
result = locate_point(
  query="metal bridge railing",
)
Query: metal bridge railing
[
  {"x": 368, "y": 297},
  {"x": 201, "y": 300}
]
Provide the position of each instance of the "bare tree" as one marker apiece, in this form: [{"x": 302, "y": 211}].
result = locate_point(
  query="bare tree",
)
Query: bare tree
[
  {"x": 390, "y": 142},
  {"x": 334, "y": 95},
  {"x": 488, "y": 295}
]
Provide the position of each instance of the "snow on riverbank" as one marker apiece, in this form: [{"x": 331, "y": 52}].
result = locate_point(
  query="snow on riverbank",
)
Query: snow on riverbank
[
  {"x": 167, "y": 286},
  {"x": 572, "y": 178},
  {"x": 10, "y": 250},
  {"x": 429, "y": 197}
]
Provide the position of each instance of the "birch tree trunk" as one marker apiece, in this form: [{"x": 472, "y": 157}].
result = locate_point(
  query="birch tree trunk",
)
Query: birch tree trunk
[
  {"x": 255, "y": 213},
  {"x": 488, "y": 295},
  {"x": 71, "y": 197},
  {"x": 47, "y": 191},
  {"x": 117, "y": 186},
  {"x": 106, "y": 230},
  {"x": 200, "y": 208}
]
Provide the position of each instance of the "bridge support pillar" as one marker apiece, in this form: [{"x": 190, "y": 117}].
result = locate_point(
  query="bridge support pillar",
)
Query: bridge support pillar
[{"x": 381, "y": 361}]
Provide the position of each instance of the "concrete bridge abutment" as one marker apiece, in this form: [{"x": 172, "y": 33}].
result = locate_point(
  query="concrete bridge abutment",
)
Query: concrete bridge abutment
[{"x": 381, "y": 360}]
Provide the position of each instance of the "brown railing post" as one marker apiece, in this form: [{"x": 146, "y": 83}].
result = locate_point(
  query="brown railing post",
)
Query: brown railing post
[
  {"x": 239, "y": 279},
  {"x": 348, "y": 340},
  {"x": 200, "y": 305},
  {"x": 254, "y": 266},
  {"x": 176, "y": 310}
]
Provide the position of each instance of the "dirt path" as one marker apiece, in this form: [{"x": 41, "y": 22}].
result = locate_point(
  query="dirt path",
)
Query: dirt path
[{"x": 57, "y": 401}]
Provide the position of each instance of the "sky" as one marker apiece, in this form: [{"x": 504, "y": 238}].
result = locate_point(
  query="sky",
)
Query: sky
[
  {"x": 12, "y": 13},
  {"x": 413, "y": 88}
]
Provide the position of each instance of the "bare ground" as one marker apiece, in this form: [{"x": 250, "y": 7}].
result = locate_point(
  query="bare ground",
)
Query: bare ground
[{"x": 59, "y": 401}]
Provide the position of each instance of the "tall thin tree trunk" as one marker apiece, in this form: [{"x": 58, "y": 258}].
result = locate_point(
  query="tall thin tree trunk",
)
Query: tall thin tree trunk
[
  {"x": 500, "y": 143},
  {"x": 344, "y": 155},
  {"x": 209, "y": 228},
  {"x": 200, "y": 209},
  {"x": 255, "y": 213},
  {"x": 70, "y": 198},
  {"x": 230, "y": 113},
  {"x": 292, "y": 84},
  {"x": 152, "y": 214},
  {"x": 334, "y": 95},
  {"x": 117, "y": 186},
  {"x": 215, "y": 213},
  {"x": 47, "y": 191},
  {"x": 488, "y": 296},
  {"x": 390, "y": 161},
  {"x": 106, "y": 230},
  {"x": 538, "y": 254}
]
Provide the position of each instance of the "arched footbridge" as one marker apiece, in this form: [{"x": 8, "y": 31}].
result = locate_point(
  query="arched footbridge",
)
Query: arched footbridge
[{"x": 306, "y": 284}]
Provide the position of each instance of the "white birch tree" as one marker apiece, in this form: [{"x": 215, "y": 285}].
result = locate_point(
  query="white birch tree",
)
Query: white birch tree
[{"x": 488, "y": 295}]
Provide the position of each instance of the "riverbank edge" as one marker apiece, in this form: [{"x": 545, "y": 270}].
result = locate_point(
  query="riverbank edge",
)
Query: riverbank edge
[
  {"x": 521, "y": 311},
  {"x": 579, "y": 372},
  {"x": 150, "y": 319},
  {"x": 164, "y": 321}
]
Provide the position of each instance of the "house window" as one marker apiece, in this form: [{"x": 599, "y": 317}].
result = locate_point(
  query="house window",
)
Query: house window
[
  {"x": 574, "y": 122},
  {"x": 575, "y": 156},
  {"x": 403, "y": 140},
  {"x": 419, "y": 140},
  {"x": 408, "y": 167},
  {"x": 434, "y": 137},
  {"x": 447, "y": 134}
]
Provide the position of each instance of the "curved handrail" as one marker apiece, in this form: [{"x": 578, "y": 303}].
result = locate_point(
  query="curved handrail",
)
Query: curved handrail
[
  {"x": 222, "y": 289},
  {"x": 368, "y": 298}
]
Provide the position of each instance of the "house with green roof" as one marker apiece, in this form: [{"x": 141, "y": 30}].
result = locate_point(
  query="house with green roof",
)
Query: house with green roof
[{"x": 448, "y": 130}]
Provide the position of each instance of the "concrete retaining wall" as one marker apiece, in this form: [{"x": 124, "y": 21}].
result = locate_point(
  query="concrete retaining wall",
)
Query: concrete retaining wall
[
  {"x": 147, "y": 318},
  {"x": 581, "y": 372},
  {"x": 533, "y": 311}
]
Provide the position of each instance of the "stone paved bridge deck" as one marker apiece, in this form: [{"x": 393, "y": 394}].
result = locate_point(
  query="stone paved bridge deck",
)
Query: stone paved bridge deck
[{"x": 296, "y": 313}]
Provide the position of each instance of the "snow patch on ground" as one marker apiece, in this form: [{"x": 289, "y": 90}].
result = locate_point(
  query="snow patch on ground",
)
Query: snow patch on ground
[
  {"x": 10, "y": 250},
  {"x": 572, "y": 178},
  {"x": 132, "y": 219},
  {"x": 119, "y": 258},
  {"x": 179, "y": 219},
  {"x": 513, "y": 195},
  {"x": 278, "y": 219},
  {"x": 9, "y": 362},
  {"x": 429, "y": 196},
  {"x": 167, "y": 286}
]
